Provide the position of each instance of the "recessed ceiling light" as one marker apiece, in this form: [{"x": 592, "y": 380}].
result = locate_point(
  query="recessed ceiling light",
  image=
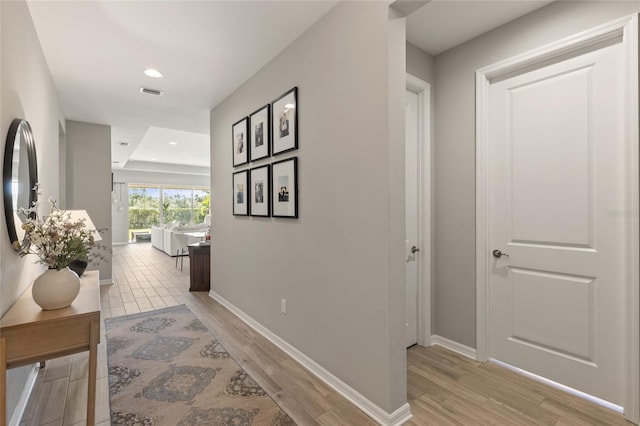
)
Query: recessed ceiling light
[
  {"x": 154, "y": 159},
  {"x": 289, "y": 106},
  {"x": 150, "y": 72},
  {"x": 173, "y": 143}
]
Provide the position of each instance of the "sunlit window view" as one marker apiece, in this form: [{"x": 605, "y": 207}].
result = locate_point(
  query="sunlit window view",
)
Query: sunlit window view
[{"x": 156, "y": 205}]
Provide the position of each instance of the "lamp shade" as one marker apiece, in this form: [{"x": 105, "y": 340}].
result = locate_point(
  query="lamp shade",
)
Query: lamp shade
[{"x": 82, "y": 214}]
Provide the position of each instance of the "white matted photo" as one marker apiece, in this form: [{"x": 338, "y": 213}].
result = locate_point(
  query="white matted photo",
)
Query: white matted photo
[
  {"x": 284, "y": 122},
  {"x": 240, "y": 142},
  {"x": 260, "y": 130},
  {"x": 284, "y": 188},
  {"x": 260, "y": 187},
  {"x": 241, "y": 193}
]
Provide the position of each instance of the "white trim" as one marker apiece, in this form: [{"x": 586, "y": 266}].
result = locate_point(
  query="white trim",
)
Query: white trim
[
  {"x": 456, "y": 347},
  {"x": 557, "y": 49},
  {"x": 398, "y": 417},
  {"x": 483, "y": 166},
  {"x": 425, "y": 170},
  {"x": 106, "y": 282},
  {"x": 558, "y": 386},
  {"x": 632, "y": 367},
  {"x": 625, "y": 28},
  {"x": 16, "y": 417}
]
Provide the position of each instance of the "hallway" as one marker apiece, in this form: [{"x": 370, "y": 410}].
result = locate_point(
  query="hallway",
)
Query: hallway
[{"x": 443, "y": 388}]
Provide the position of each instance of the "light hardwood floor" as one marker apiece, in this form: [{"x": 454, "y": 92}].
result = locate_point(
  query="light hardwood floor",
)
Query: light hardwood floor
[{"x": 443, "y": 387}]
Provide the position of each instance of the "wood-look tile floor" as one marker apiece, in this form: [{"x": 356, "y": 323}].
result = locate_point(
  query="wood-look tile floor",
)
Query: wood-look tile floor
[{"x": 443, "y": 387}]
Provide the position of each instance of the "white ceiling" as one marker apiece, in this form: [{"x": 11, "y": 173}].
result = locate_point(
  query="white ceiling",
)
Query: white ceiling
[
  {"x": 97, "y": 52},
  {"x": 160, "y": 144},
  {"x": 443, "y": 24}
]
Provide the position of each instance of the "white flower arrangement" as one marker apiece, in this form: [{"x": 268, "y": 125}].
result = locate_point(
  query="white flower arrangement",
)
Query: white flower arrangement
[{"x": 57, "y": 239}]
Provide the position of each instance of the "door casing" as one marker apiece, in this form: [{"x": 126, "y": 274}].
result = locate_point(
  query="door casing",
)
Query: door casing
[
  {"x": 423, "y": 90},
  {"x": 626, "y": 29},
  {"x": 411, "y": 259}
]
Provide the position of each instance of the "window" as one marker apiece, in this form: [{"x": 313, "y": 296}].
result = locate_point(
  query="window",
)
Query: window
[
  {"x": 177, "y": 204},
  {"x": 144, "y": 212},
  {"x": 201, "y": 204},
  {"x": 156, "y": 205}
]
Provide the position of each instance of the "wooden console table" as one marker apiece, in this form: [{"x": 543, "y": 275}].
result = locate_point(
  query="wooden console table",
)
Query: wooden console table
[
  {"x": 29, "y": 335},
  {"x": 200, "y": 267}
]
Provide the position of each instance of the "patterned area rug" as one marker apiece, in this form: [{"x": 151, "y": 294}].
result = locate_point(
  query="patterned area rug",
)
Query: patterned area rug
[{"x": 165, "y": 368}]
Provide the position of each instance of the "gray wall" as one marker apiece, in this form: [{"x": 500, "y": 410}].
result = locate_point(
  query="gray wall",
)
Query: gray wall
[
  {"x": 120, "y": 218},
  {"x": 454, "y": 188},
  {"x": 340, "y": 265},
  {"x": 88, "y": 179},
  {"x": 26, "y": 91},
  {"x": 62, "y": 167},
  {"x": 420, "y": 64}
]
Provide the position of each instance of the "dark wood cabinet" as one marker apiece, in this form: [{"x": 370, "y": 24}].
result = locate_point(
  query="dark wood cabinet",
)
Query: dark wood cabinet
[{"x": 200, "y": 267}]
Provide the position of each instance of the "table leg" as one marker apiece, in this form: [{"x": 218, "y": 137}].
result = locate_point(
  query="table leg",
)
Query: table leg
[
  {"x": 3, "y": 381},
  {"x": 93, "y": 362}
]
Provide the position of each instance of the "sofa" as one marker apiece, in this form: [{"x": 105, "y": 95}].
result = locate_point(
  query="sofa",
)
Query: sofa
[{"x": 170, "y": 238}]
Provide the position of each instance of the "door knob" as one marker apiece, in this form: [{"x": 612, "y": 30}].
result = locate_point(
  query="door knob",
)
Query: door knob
[
  {"x": 414, "y": 249},
  {"x": 497, "y": 253}
]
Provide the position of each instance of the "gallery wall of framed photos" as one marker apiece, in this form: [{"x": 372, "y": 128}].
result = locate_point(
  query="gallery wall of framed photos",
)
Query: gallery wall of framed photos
[{"x": 267, "y": 190}]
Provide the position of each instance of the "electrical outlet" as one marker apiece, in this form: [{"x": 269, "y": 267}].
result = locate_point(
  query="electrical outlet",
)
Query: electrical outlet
[{"x": 283, "y": 306}]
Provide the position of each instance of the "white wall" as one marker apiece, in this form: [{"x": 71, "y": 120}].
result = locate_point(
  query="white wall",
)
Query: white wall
[
  {"x": 340, "y": 265},
  {"x": 26, "y": 91},
  {"x": 120, "y": 218},
  {"x": 88, "y": 180},
  {"x": 454, "y": 231}
]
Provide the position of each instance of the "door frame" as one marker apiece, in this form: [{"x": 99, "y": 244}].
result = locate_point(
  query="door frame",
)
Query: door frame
[
  {"x": 425, "y": 168},
  {"x": 625, "y": 28}
]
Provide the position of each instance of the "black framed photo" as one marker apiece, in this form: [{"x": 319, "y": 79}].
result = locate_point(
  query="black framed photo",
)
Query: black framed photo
[
  {"x": 260, "y": 133},
  {"x": 260, "y": 184},
  {"x": 241, "y": 193},
  {"x": 240, "y": 142},
  {"x": 284, "y": 188},
  {"x": 284, "y": 122}
]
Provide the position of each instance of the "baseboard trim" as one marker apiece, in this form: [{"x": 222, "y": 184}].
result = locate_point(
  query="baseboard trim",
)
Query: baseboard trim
[
  {"x": 106, "y": 282},
  {"x": 16, "y": 417},
  {"x": 564, "y": 388},
  {"x": 454, "y": 346},
  {"x": 400, "y": 416},
  {"x": 397, "y": 418}
]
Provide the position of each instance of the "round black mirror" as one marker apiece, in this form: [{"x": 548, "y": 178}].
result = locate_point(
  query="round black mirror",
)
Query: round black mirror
[{"x": 20, "y": 176}]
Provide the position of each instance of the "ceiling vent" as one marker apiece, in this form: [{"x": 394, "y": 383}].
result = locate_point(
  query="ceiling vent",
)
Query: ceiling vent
[
  {"x": 124, "y": 143},
  {"x": 151, "y": 91}
]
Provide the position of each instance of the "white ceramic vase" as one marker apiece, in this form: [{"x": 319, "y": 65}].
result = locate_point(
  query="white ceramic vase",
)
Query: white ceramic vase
[{"x": 56, "y": 289}]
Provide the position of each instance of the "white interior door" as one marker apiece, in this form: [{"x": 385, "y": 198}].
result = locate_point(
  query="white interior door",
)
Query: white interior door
[
  {"x": 411, "y": 216},
  {"x": 557, "y": 199}
]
